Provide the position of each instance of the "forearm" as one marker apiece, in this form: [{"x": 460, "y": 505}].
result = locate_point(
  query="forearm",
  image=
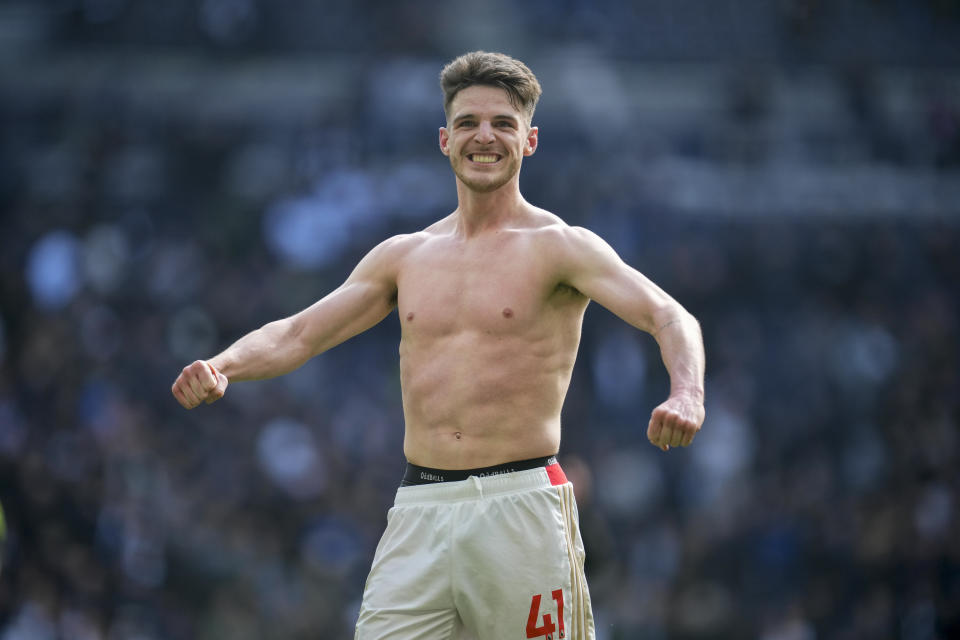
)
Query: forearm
[
  {"x": 681, "y": 347},
  {"x": 270, "y": 351}
]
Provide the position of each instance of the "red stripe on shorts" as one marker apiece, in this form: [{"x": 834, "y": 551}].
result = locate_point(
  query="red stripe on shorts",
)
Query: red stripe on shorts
[{"x": 557, "y": 476}]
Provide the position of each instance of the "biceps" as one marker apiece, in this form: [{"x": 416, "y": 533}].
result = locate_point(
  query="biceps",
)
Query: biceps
[
  {"x": 351, "y": 309},
  {"x": 594, "y": 268},
  {"x": 627, "y": 293}
]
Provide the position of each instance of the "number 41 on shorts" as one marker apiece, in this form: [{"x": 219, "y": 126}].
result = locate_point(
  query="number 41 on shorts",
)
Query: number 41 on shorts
[{"x": 547, "y": 628}]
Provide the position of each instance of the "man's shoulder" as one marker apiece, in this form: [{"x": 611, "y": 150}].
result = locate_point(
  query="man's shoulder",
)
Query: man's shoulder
[
  {"x": 556, "y": 233},
  {"x": 542, "y": 219},
  {"x": 387, "y": 257},
  {"x": 569, "y": 249},
  {"x": 399, "y": 245}
]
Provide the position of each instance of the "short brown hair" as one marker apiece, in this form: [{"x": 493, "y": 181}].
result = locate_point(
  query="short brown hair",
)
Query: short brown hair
[{"x": 494, "y": 70}]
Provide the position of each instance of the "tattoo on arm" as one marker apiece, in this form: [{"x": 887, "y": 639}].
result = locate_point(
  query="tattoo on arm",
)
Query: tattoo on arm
[{"x": 665, "y": 325}]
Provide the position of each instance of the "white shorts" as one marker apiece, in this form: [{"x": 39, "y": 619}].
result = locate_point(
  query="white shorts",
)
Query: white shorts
[{"x": 493, "y": 558}]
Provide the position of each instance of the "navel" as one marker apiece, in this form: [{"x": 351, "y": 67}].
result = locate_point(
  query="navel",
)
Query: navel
[
  {"x": 457, "y": 435},
  {"x": 507, "y": 312},
  {"x": 410, "y": 316}
]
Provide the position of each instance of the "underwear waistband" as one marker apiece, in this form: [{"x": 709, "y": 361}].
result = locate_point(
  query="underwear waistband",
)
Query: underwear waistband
[{"x": 417, "y": 475}]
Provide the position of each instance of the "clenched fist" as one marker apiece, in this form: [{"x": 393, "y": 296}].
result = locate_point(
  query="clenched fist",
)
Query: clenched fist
[
  {"x": 675, "y": 422},
  {"x": 199, "y": 382}
]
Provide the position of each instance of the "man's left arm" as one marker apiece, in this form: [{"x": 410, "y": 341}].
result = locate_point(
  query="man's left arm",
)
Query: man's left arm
[{"x": 592, "y": 267}]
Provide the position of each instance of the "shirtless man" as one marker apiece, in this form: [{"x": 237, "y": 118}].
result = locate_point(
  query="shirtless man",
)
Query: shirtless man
[{"x": 483, "y": 539}]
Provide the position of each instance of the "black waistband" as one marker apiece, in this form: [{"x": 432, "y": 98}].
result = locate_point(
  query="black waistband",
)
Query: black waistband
[{"x": 416, "y": 474}]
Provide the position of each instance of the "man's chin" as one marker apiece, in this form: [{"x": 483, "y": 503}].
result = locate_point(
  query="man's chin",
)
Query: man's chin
[{"x": 485, "y": 184}]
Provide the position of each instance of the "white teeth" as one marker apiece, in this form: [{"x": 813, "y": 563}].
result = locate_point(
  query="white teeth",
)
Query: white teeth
[{"x": 478, "y": 157}]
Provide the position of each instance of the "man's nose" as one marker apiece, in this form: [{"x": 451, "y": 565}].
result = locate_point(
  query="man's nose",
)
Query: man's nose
[{"x": 484, "y": 133}]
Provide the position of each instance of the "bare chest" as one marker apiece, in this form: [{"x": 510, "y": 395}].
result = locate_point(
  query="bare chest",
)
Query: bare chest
[{"x": 498, "y": 288}]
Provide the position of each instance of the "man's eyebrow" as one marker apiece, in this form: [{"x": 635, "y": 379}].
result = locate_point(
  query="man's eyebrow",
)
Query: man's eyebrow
[{"x": 502, "y": 116}]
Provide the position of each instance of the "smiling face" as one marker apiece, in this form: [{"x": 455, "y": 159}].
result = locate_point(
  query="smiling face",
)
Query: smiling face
[{"x": 486, "y": 138}]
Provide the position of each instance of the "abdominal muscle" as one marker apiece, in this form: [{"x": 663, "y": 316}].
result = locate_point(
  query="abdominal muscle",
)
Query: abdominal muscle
[{"x": 474, "y": 400}]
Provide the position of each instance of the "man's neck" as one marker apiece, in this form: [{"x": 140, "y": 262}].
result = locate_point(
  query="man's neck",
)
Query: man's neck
[{"x": 478, "y": 212}]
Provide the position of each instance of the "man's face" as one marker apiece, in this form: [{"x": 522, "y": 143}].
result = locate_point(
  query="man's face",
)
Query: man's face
[{"x": 486, "y": 138}]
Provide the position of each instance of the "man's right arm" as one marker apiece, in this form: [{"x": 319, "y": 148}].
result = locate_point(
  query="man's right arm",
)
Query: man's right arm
[{"x": 363, "y": 300}]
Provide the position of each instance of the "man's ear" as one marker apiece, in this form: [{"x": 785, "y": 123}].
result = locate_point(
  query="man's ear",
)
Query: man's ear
[
  {"x": 532, "y": 138},
  {"x": 444, "y": 141}
]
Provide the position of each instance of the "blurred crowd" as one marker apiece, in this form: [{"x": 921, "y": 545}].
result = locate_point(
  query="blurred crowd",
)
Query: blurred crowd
[{"x": 809, "y": 219}]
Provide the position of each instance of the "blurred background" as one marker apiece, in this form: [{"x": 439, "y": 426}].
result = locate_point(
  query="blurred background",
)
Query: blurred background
[{"x": 174, "y": 174}]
